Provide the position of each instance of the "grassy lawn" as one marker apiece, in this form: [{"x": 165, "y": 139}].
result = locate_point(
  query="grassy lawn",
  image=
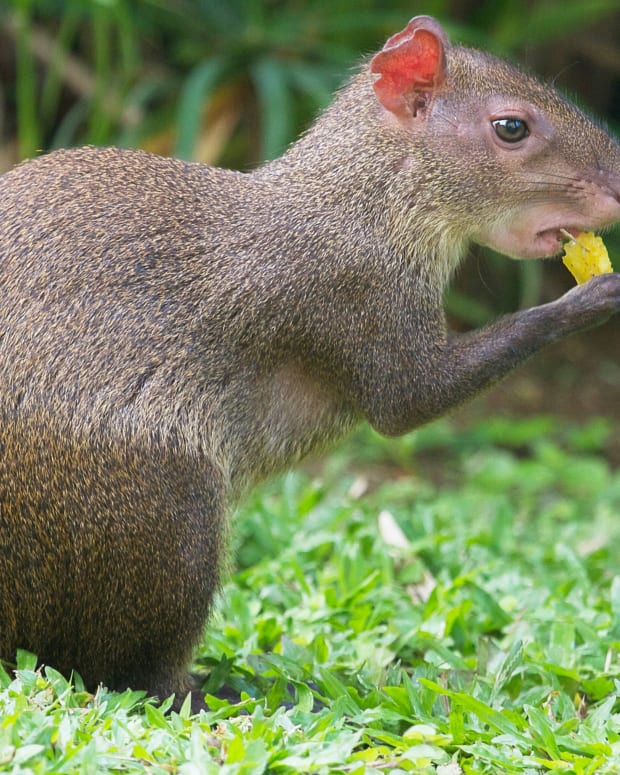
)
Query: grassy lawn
[{"x": 444, "y": 603}]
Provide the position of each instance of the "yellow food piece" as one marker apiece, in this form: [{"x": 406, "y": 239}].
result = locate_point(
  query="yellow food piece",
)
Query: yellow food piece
[{"x": 586, "y": 256}]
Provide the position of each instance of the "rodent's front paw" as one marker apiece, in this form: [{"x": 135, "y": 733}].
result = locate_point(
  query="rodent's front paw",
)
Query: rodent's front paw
[
  {"x": 605, "y": 284},
  {"x": 593, "y": 302}
]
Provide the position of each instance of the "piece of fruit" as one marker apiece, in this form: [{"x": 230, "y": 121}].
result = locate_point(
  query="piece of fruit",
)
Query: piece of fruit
[{"x": 586, "y": 256}]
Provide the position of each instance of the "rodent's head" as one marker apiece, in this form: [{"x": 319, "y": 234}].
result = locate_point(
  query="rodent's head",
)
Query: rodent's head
[{"x": 506, "y": 159}]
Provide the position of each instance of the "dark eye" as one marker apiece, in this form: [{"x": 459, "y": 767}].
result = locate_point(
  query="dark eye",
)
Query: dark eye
[{"x": 510, "y": 130}]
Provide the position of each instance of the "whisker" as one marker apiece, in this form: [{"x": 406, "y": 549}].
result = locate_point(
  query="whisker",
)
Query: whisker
[
  {"x": 556, "y": 182},
  {"x": 550, "y": 186},
  {"x": 559, "y": 176},
  {"x": 543, "y": 188},
  {"x": 550, "y": 194},
  {"x": 562, "y": 70},
  {"x": 447, "y": 120}
]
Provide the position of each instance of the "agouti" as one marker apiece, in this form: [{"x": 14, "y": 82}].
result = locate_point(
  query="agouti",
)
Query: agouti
[{"x": 171, "y": 333}]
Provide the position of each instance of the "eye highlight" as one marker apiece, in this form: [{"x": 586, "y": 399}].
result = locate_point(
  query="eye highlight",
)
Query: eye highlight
[{"x": 510, "y": 130}]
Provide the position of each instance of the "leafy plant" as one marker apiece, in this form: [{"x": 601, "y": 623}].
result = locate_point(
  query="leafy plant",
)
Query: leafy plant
[{"x": 386, "y": 624}]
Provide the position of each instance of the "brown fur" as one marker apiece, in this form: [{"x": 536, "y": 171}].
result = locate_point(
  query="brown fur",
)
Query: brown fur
[{"x": 171, "y": 333}]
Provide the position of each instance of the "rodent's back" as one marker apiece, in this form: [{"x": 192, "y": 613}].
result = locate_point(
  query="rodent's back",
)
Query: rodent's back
[
  {"x": 110, "y": 240},
  {"x": 137, "y": 400},
  {"x": 134, "y": 287}
]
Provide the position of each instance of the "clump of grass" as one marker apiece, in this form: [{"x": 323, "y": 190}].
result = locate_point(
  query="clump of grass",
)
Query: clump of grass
[{"x": 386, "y": 623}]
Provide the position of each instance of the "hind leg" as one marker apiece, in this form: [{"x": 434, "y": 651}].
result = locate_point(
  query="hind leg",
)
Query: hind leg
[
  {"x": 159, "y": 554},
  {"x": 110, "y": 557}
]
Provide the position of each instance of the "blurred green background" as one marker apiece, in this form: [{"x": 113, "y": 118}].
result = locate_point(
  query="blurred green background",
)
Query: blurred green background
[{"x": 232, "y": 82}]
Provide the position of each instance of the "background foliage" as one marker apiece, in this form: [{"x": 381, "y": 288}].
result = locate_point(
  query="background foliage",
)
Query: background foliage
[
  {"x": 233, "y": 82},
  {"x": 460, "y": 624},
  {"x": 448, "y": 603},
  {"x": 236, "y": 81}
]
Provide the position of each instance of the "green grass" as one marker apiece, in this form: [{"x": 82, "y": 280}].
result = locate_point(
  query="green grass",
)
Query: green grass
[{"x": 473, "y": 627}]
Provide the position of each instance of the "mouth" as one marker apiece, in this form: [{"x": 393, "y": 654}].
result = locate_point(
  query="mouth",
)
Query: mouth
[
  {"x": 518, "y": 238},
  {"x": 551, "y": 241}
]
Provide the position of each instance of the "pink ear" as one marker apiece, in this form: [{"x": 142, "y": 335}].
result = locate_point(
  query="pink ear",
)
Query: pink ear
[{"x": 411, "y": 61}]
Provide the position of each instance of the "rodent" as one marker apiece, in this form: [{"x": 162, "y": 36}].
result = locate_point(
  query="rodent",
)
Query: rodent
[{"x": 171, "y": 333}]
